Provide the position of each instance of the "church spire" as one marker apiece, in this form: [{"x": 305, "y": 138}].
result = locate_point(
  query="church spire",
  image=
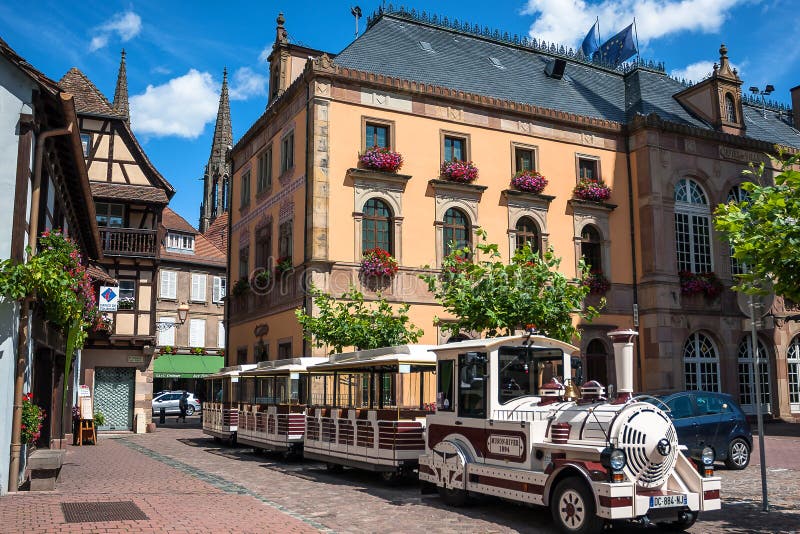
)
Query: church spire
[
  {"x": 121, "y": 105},
  {"x": 217, "y": 176}
]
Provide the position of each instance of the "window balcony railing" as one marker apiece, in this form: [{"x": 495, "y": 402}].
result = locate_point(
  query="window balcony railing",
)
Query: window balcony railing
[{"x": 129, "y": 242}]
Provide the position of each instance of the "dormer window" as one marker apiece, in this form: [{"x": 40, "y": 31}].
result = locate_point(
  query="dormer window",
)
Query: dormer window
[
  {"x": 730, "y": 108},
  {"x": 183, "y": 243}
]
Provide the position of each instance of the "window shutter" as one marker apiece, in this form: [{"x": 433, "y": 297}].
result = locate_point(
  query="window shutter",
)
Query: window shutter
[
  {"x": 215, "y": 291},
  {"x": 199, "y": 287},
  {"x": 197, "y": 332},
  {"x": 221, "y": 335},
  {"x": 167, "y": 337},
  {"x": 168, "y": 284}
]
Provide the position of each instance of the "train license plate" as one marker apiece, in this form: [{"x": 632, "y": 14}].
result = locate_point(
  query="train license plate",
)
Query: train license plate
[{"x": 666, "y": 501}]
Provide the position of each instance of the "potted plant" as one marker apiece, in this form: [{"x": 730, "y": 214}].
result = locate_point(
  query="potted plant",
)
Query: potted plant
[
  {"x": 99, "y": 419},
  {"x": 595, "y": 190},
  {"x": 240, "y": 287},
  {"x": 105, "y": 323},
  {"x": 262, "y": 279},
  {"x": 32, "y": 417},
  {"x": 283, "y": 265},
  {"x": 381, "y": 159},
  {"x": 706, "y": 284},
  {"x": 464, "y": 172},
  {"x": 529, "y": 181},
  {"x": 168, "y": 349},
  {"x": 597, "y": 283},
  {"x": 377, "y": 262},
  {"x": 197, "y": 351}
]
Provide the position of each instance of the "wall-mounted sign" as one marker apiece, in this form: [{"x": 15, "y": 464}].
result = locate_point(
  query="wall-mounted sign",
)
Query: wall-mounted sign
[
  {"x": 109, "y": 298},
  {"x": 84, "y": 391},
  {"x": 404, "y": 368}
]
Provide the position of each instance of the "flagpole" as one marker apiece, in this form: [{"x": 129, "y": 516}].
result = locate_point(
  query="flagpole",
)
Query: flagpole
[
  {"x": 636, "y": 33},
  {"x": 597, "y": 23}
]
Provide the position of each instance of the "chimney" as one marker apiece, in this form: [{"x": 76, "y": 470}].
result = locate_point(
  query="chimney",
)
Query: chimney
[
  {"x": 796, "y": 106},
  {"x": 623, "y": 358}
]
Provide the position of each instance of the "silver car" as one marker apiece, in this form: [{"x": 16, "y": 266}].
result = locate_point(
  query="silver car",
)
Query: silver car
[{"x": 170, "y": 401}]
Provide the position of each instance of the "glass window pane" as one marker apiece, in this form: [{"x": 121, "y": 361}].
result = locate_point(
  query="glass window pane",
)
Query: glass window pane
[
  {"x": 524, "y": 159},
  {"x": 444, "y": 396},
  {"x": 472, "y": 385}
]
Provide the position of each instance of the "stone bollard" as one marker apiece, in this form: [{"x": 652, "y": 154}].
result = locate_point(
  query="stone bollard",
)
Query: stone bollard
[{"x": 162, "y": 416}]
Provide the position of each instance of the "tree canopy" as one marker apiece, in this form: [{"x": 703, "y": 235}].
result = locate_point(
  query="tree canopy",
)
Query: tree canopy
[
  {"x": 495, "y": 297},
  {"x": 351, "y": 322},
  {"x": 763, "y": 230}
]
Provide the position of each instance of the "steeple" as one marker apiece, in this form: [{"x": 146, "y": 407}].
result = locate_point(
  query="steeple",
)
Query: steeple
[
  {"x": 121, "y": 105},
  {"x": 217, "y": 175}
]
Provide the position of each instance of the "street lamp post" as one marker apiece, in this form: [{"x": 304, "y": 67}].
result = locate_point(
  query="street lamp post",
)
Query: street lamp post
[
  {"x": 766, "y": 92},
  {"x": 183, "y": 313}
]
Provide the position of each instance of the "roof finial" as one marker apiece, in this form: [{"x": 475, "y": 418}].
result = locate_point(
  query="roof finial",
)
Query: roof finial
[
  {"x": 121, "y": 105},
  {"x": 281, "y": 36}
]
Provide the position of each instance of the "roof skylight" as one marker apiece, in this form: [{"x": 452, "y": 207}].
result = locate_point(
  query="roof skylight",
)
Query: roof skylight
[
  {"x": 496, "y": 63},
  {"x": 425, "y": 45}
]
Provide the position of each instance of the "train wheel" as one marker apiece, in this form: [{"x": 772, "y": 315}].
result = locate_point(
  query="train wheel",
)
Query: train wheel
[
  {"x": 453, "y": 497},
  {"x": 334, "y": 468},
  {"x": 686, "y": 521},
  {"x": 572, "y": 506},
  {"x": 391, "y": 477}
]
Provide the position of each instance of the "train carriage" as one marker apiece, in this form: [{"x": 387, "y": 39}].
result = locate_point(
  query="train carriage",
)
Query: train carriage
[
  {"x": 273, "y": 400},
  {"x": 220, "y": 409},
  {"x": 369, "y": 408},
  {"x": 507, "y": 425}
]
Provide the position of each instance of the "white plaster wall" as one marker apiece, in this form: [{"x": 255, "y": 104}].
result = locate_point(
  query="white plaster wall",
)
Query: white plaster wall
[{"x": 15, "y": 98}]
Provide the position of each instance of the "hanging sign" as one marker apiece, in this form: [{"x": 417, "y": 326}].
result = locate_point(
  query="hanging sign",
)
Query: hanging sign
[
  {"x": 83, "y": 391},
  {"x": 109, "y": 298}
]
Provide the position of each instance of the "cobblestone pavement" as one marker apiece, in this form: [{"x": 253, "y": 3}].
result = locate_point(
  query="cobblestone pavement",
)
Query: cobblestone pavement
[{"x": 185, "y": 482}]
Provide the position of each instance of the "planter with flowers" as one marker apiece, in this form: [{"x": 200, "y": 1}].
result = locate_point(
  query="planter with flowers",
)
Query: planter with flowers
[
  {"x": 592, "y": 190},
  {"x": 597, "y": 283},
  {"x": 381, "y": 159},
  {"x": 378, "y": 263},
  {"x": 169, "y": 349},
  {"x": 104, "y": 324},
  {"x": 706, "y": 284},
  {"x": 283, "y": 265},
  {"x": 464, "y": 172},
  {"x": 240, "y": 287},
  {"x": 198, "y": 351},
  {"x": 529, "y": 181},
  {"x": 32, "y": 417}
]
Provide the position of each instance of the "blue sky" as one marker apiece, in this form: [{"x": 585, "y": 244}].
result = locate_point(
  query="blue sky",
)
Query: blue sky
[{"x": 176, "y": 51}]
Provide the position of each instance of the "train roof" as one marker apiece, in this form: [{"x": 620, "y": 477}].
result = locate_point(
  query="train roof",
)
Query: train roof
[
  {"x": 232, "y": 371},
  {"x": 490, "y": 344},
  {"x": 400, "y": 354},
  {"x": 288, "y": 365}
]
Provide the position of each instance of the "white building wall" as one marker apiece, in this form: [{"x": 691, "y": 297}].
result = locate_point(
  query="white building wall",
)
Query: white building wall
[{"x": 15, "y": 98}]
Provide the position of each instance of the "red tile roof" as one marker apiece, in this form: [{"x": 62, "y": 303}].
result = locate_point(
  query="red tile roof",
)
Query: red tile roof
[
  {"x": 217, "y": 233},
  {"x": 173, "y": 221},
  {"x": 88, "y": 98},
  {"x": 141, "y": 193},
  {"x": 205, "y": 252}
]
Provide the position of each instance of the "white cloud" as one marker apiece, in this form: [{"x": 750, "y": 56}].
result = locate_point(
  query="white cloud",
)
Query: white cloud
[
  {"x": 697, "y": 72},
  {"x": 247, "y": 83},
  {"x": 180, "y": 107},
  {"x": 264, "y": 55},
  {"x": 126, "y": 26},
  {"x": 568, "y": 21}
]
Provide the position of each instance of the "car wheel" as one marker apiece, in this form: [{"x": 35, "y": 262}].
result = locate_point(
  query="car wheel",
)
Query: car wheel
[
  {"x": 190, "y": 410},
  {"x": 572, "y": 507},
  {"x": 738, "y": 454},
  {"x": 453, "y": 497}
]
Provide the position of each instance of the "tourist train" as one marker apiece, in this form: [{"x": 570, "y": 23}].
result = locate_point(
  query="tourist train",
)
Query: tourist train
[{"x": 498, "y": 416}]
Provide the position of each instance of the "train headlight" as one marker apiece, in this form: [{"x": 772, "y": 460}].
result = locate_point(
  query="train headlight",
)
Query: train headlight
[
  {"x": 707, "y": 456},
  {"x": 614, "y": 459}
]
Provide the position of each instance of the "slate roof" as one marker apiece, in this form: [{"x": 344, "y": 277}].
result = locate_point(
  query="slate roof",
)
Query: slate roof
[
  {"x": 141, "y": 193},
  {"x": 394, "y": 45},
  {"x": 88, "y": 98}
]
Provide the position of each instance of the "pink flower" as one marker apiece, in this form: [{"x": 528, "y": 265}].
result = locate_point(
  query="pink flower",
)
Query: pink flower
[{"x": 459, "y": 171}]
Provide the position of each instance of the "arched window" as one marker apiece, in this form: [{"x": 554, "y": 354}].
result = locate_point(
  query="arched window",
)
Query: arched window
[
  {"x": 527, "y": 232},
  {"x": 793, "y": 361},
  {"x": 591, "y": 248},
  {"x": 730, "y": 108},
  {"x": 597, "y": 362},
  {"x": 747, "y": 393},
  {"x": 737, "y": 194},
  {"x": 456, "y": 230},
  {"x": 700, "y": 363},
  {"x": 377, "y": 225},
  {"x": 692, "y": 228}
]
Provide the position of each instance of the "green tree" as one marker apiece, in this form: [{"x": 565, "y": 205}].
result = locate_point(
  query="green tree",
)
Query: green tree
[
  {"x": 764, "y": 229},
  {"x": 351, "y": 322},
  {"x": 496, "y": 297}
]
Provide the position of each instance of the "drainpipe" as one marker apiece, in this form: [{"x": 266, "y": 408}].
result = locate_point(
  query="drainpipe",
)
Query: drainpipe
[{"x": 24, "y": 333}]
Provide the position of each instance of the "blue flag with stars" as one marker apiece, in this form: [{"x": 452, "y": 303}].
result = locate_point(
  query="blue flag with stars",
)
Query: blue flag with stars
[
  {"x": 619, "y": 48},
  {"x": 589, "y": 45}
]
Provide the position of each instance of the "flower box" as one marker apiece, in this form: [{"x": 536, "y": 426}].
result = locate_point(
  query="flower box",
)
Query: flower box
[
  {"x": 706, "y": 284},
  {"x": 459, "y": 171},
  {"x": 381, "y": 159},
  {"x": 283, "y": 265},
  {"x": 240, "y": 287},
  {"x": 377, "y": 262},
  {"x": 595, "y": 190},
  {"x": 529, "y": 181},
  {"x": 597, "y": 283}
]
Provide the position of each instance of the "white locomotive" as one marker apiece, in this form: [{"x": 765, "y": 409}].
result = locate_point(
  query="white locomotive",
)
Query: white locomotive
[{"x": 506, "y": 426}]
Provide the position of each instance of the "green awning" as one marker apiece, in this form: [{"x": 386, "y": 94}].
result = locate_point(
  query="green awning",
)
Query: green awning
[{"x": 186, "y": 365}]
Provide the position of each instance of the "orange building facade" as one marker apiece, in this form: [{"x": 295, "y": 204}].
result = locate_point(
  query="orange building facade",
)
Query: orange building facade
[{"x": 303, "y": 210}]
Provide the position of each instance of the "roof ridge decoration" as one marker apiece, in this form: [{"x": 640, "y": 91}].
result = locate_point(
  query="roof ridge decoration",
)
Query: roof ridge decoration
[
  {"x": 120, "y": 104},
  {"x": 747, "y": 99},
  {"x": 533, "y": 44}
]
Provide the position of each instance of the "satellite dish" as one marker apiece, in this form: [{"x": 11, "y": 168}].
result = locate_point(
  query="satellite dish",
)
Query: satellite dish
[{"x": 763, "y": 303}]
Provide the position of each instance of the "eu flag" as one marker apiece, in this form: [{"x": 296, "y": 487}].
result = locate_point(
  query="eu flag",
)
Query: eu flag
[
  {"x": 619, "y": 48},
  {"x": 589, "y": 45}
]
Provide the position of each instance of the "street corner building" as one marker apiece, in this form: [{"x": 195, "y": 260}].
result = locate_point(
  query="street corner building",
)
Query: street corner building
[
  {"x": 306, "y": 202},
  {"x": 129, "y": 196}
]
